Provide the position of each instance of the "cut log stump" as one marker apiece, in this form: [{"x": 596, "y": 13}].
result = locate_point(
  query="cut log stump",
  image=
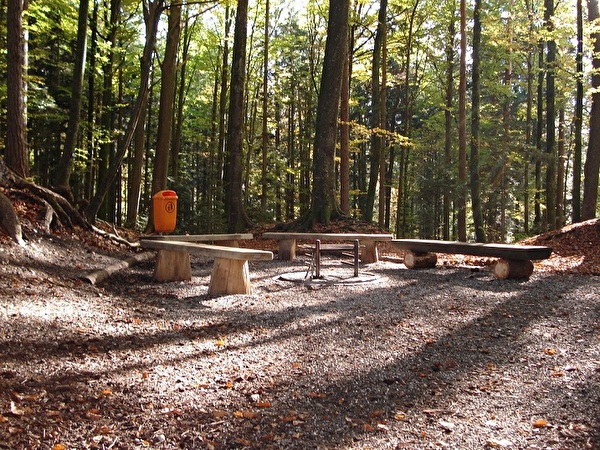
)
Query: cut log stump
[
  {"x": 172, "y": 266},
  {"x": 513, "y": 269},
  {"x": 416, "y": 260}
]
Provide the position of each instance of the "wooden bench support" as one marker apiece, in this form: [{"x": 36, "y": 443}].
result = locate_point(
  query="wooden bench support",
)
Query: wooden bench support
[
  {"x": 512, "y": 268},
  {"x": 172, "y": 266},
  {"x": 419, "y": 260},
  {"x": 229, "y": 276}
]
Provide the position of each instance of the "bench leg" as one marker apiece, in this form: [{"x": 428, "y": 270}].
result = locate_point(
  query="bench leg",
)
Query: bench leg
[
  {"x": 172, "y": 266},
  {"x": 512, "y": 269},
  {"x": 229, "y": 276},
  {"x": 369, "y": 253},
  {"x": 417, "y": 260},
  {"x": 287, "y": 250}
]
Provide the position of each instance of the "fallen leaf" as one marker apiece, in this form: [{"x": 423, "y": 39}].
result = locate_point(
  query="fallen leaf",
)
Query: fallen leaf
[
  {"x": 107, "y": 392},
  {"x": 540, "y": 423},
  {"x": 263, "y": 404},
  {"x": 3, "y": 419},
  {"x": 220, "y": 343},
  {"x": 499, "y": 443},
  {"x": 316, "y": 395},
  {"x": 219, "y": 413},
  {"x": 400, "y": 416},
  {"x": 15, "y": 410},
  {"x": 549, "y": 351},
  {"x": 59, "y": 447}
]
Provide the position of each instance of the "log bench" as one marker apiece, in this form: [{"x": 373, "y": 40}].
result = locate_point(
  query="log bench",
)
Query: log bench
[
  {"x": 514, "y": 262},
  {"x": 287, "y": 242},
  {"x": 230, "y": 272}
]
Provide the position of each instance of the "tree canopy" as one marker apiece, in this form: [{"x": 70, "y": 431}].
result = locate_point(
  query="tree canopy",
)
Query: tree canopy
[{"x": 120, "y": 99}]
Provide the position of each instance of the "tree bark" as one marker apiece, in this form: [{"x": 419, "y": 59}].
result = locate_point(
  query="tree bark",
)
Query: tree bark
[
  {"x": 462, "y": 126},
  {"x": 323, "y": 204},
  {"x": 16, "y": 137},
  {"x": 167, "y": 100},
  {"x": 65, "y": 166},
  {"x": 550, "y": 116},
  {"x": 578, "y": 119},
  {"x": 592, "y": 162},
  {"x": 151, "y": 15},
  {"x": 237, "y": 218}
]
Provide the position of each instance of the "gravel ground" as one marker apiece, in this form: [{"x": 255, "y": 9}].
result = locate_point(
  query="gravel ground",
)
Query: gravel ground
[{"x": 438, "y": 358}]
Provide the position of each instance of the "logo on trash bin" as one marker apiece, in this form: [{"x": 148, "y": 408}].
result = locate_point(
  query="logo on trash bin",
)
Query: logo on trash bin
[{"x": 170, "y": 207}]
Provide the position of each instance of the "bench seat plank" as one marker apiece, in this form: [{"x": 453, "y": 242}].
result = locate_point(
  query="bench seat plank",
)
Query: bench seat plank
[
  {"x": 201, "y": 237},
  {"x": 214, "y": 251},
  {"x": 507, "y": 251}
]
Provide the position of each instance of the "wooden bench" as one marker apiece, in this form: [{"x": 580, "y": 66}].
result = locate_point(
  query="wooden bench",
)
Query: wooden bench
[
  {"x": 230, "y": 273},
  {"x": 287, "y": 242},
  {"x": 515, "y": 260},
  {"x": 230, "y": 240}
]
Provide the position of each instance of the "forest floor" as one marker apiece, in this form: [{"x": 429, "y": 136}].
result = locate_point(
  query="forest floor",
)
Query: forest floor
[{"x": 437, "y": 358}]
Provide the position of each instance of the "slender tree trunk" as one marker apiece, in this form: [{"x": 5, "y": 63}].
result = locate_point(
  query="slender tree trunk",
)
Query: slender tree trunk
[
  {"x": 539, "y": 133},
  {"x": 578, "y": 119},
  {"x": 462, "y": 126},
  {"x": 265, "y": 132},
  {"x": 475, "y": 125},
  {"x": 448, "y": 125},
  {"x": 550, "y": 116},
  {"x": 561, "y": 170},
  {"x": 345, "y": 131},
  {"x": 592, "y": 162},
  {"x": 66, "y": 162},
  {"x": 383, "y": 123},
  {"x": 16, "y": 153},
  {"x": 151, "y": 16}
]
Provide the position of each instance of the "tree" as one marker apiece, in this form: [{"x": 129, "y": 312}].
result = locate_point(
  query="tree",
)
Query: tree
[
  {"x": 475, "y": 125},
  {"x": 16, "y": 139},
  {"x": 65, "y": 166},
  {"x": 462, "y": 125},
  {"x": 550, "y": 115},
  {"x": 236, "y": 212},
  {"x": 152, "y": 12},
  {"x": 167, "y": 99},
  {"x": 592, "y": 162},
  {"x": 323, "y": 199}
]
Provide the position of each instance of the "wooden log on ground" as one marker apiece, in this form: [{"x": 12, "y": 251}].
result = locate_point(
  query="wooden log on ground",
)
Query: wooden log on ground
[
  {"x": 102, "y": 274},
  {"x": 414, "y": 260},
  {"x": 512, "y": 269}
]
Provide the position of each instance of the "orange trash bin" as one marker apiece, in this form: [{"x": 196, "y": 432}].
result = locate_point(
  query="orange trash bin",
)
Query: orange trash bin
[{"x": 165, "y": 211}]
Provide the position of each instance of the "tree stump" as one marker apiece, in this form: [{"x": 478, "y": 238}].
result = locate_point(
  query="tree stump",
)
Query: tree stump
[
  {"x": 287, "y": 250},
  {"x": 415, "y": 260},
  {"x": 512, "y": 269}
]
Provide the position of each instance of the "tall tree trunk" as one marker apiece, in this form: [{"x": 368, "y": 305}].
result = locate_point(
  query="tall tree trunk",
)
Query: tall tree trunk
[
  {"x": 323, "y": 206},
  {"x": 151, "y": 17},
  {"x": 66, "y": 162},
  {"x": 345, "y": 129},
  {"x": 550, "y": 116},
  {"x": 237, "y": 218},
  {"x": 561, "y": 170},
  {"x": 539, "y": 133},
  {"x": 16, "y": 138},
  {"x": 167, "y": 97},
  {"x": 383, "y": 123},
  {"x": 475, "y": 122},
  {"x": 448, "y": 125},
  {"x": 377, "y": 139},
  {"x": 592, "y": 161},
  {"x": 578, "y": 119},
  {"x": 462, "y": 126},
  {"x": 265, "y": 132}
]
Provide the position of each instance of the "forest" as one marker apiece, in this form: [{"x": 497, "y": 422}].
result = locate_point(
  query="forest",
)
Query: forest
[{"x": 452, "y": 120}]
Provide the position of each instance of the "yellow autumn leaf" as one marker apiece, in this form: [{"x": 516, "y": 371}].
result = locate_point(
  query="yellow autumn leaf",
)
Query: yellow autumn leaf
[
  {"x": 107, "y": 392},
  {"x": 59, "y": 447},
  {"x": 549, "y": 351},
  {"x": 220, "y": 343},
  {"x": 540, "y": 423}
]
